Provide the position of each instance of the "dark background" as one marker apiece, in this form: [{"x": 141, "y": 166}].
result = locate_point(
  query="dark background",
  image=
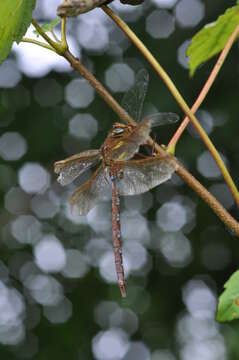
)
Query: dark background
[{"x": 169, "y": 312}]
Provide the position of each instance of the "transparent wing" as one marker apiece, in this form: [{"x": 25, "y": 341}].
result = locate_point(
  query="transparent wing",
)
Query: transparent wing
[
  {"x": 93, "y": 190},
  {"x": 139, "y": 176},
  {"x": 166, "y": 118},
  {"x": 133, "y": 100},
  {"x": 70, "y": 168}
]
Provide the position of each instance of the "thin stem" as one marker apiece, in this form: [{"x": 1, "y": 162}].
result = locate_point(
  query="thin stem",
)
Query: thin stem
[
  {"x": 174, "y": 91},
  {"x": 39, "y": 43},
  {"x": 57, "y": 46},
  {"x": 206, "y": 88},
  {"x": 42, "y": 33},
  {"x": 63, "y": 33},
  {"x": 55, "y": 37}
]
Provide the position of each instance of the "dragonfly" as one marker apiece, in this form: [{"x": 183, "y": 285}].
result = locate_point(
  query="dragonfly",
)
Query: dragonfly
[{"x": 120, "y": 165}]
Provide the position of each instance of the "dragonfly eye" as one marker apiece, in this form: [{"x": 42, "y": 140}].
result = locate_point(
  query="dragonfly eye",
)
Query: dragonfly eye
[{"x": 117, "y": 131}]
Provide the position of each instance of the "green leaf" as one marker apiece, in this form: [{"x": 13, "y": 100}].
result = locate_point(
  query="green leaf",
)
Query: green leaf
[
  {"x": 212, "y": 38},
  {"x": 228, "y": 306},
  {"x": 14, "y": 20},
  {"x": 50, "y": 26}
]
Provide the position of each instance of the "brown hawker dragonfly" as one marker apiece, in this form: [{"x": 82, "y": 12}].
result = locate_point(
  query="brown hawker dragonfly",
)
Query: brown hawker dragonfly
[{"x": 120, "y": 166}]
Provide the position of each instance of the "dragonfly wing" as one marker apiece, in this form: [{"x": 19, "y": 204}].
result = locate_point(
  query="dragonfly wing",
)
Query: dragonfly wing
[
  {"x": 163, "y": 119},
  {"x": 133, "y": 100},
  {"x": 70, "y": 168},
  {"x": 93, "y": 190},
  {"x": 139, "y": 176}
]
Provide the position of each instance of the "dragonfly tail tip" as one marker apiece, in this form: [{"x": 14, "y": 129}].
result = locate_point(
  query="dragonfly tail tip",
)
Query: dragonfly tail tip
[{"x": 123, "y": 292}]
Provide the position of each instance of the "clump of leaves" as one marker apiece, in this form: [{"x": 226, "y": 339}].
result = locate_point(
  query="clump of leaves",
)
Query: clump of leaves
[
  {"x": 212, "y": 38},
  {"x": 16, "y": 17}
]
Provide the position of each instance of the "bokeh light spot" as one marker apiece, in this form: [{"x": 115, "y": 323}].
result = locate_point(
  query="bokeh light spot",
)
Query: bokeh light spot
[
  {"x": 59, "y": 313},
  {"x": 119, "y": 77},
  {"x": 176, "y": 249},
  {"x": 207, "y": 166},
  {"x": 171, "y": 216},
  {"x": 110, "y": 345},
  {"x": 167, "y": 4},
  {"x": 12, "y": 146},
  {"x": 138, "y": 350},
  {"x": 33, "y": 178},
  {"x": 44, "y": 289},
  {"x": 182, "y": 54},
  {"x": 9, "y": 74},
  {"x": 79, "y": 94},
  {"x": 189, "y": 12},
  {"x": 83, "y": 126},
  {"x": 26, "y": 229},
  {"x": 16, "y": 201},
  {"x": 35, "y": 61},
  {"x": 94, "y": 38},
  {"x": 76, "y": 265},
  {"x": 200, "y": 300},
  {"x": 44, "y": 206},
  {"x": 160, "y": 24},
  {"x": 50, "y": 254},
  {"x": 12, "y": 309}
]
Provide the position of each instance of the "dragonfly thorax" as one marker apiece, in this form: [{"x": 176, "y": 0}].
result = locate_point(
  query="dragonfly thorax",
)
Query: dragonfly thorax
[{"x": 113, "y": 147}]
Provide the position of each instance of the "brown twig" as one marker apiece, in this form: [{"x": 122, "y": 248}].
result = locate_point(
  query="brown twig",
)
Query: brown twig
[{"x": 212, "y": 202}]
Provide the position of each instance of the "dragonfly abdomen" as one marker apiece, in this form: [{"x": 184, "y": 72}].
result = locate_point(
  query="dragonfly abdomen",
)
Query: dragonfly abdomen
[{"x": 116, "y": 232}]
